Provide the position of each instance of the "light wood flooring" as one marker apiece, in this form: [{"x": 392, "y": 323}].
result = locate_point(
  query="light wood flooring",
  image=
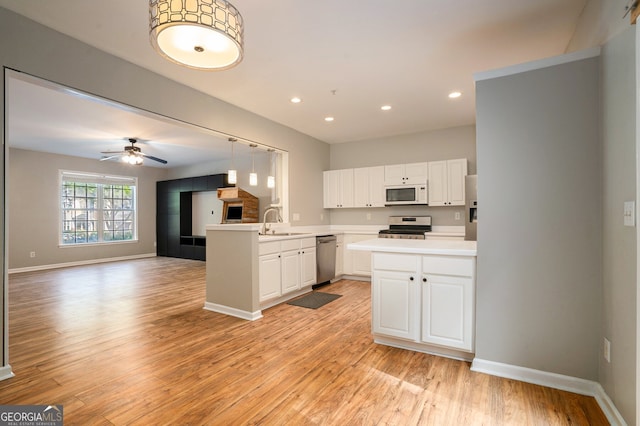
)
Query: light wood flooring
[{"x": 129, "y": 343}]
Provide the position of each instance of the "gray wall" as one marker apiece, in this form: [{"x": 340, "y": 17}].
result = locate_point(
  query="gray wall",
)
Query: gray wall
[
  {"x": 446, "y": 144},
  {"x": 539, "y": 238},
  {"x": 35, "y": 49},
  {"x": 619, "y": 242},
  {"x": 34, "y": 199}
]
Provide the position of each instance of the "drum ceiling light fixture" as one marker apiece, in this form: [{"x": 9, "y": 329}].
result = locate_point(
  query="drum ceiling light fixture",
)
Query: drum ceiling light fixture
[{"x": 200, "y": 34}]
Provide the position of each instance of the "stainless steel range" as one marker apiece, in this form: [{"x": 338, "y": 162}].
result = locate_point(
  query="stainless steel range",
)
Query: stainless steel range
[{"x": 408, "y": 227}]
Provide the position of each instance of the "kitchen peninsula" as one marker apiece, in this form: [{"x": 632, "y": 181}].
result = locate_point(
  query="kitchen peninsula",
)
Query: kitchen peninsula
[
  {"x": 248, "y": 272},
  {"x": 423, "y": 294}
]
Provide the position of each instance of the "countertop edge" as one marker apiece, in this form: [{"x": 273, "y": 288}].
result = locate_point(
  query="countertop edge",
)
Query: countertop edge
[{"x": 440, "y": 247}]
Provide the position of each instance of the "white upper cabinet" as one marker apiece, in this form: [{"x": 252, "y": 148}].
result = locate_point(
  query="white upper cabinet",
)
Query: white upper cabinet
[
  {"x": 369, "y": 187},
  {"x": 400, "y": 174},
  {"x": 365, "y": 186},
  {"x": 446, "y": 182},
  {"x": 338, "y": 188}
]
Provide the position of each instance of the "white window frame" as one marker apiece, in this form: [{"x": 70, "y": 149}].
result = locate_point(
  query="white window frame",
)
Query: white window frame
[{"x": 99, "y": 179}]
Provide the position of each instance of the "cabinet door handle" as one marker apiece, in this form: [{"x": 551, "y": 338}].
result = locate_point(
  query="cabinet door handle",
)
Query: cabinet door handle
[
  {"x": 424, "y": 280},
  {"x": 410, "y": 278}
]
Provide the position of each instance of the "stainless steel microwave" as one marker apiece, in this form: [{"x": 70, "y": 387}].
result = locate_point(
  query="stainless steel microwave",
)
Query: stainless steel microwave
[{"x": 398, "y": 195}]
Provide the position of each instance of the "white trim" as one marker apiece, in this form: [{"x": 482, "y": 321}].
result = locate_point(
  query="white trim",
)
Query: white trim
[
  {"x": 101, "y": 180},
  {"x": 552, "y": 380},
  {"x": 80, "y": 263},
  {"x": 539, "y": 64},
  {"x": 6, "y": 372},
  {"x": 423, "y": 347},
  {"x": 227, "y": 310},
  {"x": 366, "y": 278},
  {"x": 637, "y": 52},
  {"x": 273, "y": 302}
]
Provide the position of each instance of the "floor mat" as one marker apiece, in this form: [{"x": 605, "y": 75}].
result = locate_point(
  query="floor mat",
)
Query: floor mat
[{"x": 314, "y": 300}]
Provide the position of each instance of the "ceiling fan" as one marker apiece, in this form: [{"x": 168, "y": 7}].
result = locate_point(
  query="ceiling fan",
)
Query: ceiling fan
[{"x": 131, "y": 154}]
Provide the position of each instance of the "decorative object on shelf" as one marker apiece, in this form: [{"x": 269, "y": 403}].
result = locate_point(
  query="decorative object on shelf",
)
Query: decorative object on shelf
[
  {"x": 271, "y": 179},
  {"x": 232, "y": 173},
  {"x": 239, "y": 206},
  {"x": 253, "y": 176},
  {"x": 199, "y": 34}
]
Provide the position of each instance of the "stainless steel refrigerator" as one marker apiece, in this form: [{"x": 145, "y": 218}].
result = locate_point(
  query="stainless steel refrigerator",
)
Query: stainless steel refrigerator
[{"x": 471, "y": 208}]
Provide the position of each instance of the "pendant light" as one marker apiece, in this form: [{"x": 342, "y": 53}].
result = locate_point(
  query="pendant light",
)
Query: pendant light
[
  {"x": 271, "y": 179},
  {"x": 253, "y": 176},
  {"x": 200, "y": 34},
  {"x": 232, "y": 174}
]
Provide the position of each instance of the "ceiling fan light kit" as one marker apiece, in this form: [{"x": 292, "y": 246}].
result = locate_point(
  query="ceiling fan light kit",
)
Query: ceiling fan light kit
[
  {"x": 131, "y": 155},
  {"x": 199, "y": 34}
]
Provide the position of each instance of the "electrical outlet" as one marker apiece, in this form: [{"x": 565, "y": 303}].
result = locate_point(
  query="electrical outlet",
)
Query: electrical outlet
[
  {"x": 32, "y": 254},
  {"x": 296, "y": 217},
  {"x": 457, "y": 215},
  {"x": 607, "y": 350},
  {"x": 629, "y": 212},
  {"x": 321, "y": 216},
  {"x": 368, "y": 216}
]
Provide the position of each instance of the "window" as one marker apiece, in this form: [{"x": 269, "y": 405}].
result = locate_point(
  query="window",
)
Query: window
[{"x": 96, "y": 208}]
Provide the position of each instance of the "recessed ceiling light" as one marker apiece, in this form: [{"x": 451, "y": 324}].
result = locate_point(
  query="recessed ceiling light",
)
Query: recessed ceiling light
[
  {"x": 454, "y": 95},
  {"x": 328, "y": 119},
  {"x": 296, "y": 100},
  {"x": 385, "y": 107}
]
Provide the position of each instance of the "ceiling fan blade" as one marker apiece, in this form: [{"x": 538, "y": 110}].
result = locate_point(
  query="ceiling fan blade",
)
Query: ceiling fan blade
[
  {"x": 105, "y": 158},
  {"x": 150, "y": 157},
  {"x": 112, "y": 152}
]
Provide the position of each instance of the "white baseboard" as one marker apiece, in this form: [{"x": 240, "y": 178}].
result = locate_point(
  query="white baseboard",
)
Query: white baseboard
[
  {"x": 552, "y": 380},
  {"x": 356, "y": 277},
  {"x": 227, "y": 310},
  {"x": 423, "y": 347},
  {"x": 273, "y": 302},
  {"x": 80, "y": 263},
  {"x": 6, "y": 372}
]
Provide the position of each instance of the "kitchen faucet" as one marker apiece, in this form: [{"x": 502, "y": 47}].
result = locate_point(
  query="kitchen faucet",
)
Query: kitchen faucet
[{"x": 264, "y": 218}]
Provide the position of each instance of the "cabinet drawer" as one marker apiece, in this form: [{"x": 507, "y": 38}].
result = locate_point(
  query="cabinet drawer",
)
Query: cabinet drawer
[
  {"x": 268, "y": 247},
  {"x": 449, "y": 265},
  {"x": 307, "y": 242},
  {"x": 290, "y": 244},
  {"x": 395, "y": 262}
]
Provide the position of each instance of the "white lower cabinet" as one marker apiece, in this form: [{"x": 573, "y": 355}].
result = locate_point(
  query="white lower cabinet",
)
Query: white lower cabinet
[
  {"x": 269, "y": 273},
  {"x": 290, "y": 271},
  {"x": 425, "y": 299},
  {"x": 286, "y": 266},
  {"x": 395, "y": 295},
  {"x": 357, "y": 262},
  {"x": 447, "y": 310},
  {"x": 308, "y": 268},
  {"x": 339, "y": 255}
]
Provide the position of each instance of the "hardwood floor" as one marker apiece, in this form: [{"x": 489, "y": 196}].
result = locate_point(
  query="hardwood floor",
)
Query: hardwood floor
[{"x": 129, "y": 343}]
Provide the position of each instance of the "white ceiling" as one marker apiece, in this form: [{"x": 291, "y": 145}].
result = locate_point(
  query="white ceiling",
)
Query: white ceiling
[{"x": 406, "y": 53}]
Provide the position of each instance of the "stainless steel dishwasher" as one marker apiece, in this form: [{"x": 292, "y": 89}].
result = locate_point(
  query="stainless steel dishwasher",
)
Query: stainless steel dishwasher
[{"x": 325, "y": 258}]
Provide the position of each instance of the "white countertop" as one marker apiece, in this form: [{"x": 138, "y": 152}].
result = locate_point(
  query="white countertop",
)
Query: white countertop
[
  {"x": 312, "y": 231},
  {"x": 391, "y": 245}
]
